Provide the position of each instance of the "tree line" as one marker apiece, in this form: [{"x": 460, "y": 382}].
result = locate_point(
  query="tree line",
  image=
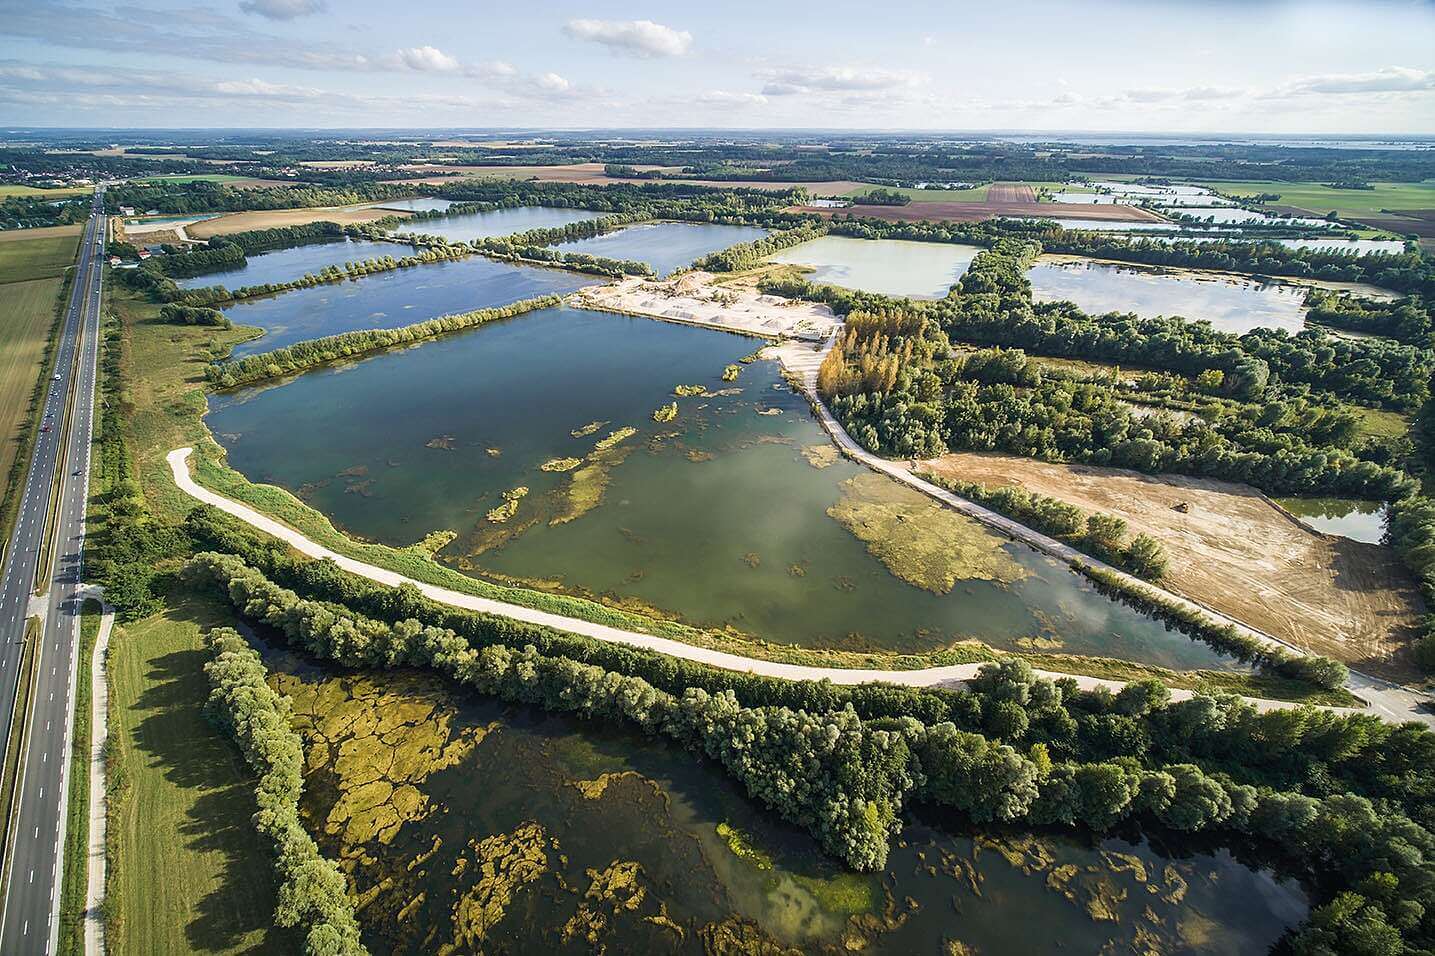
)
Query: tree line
[
  {"x": 747, "y": 255},
  {"x": 1099, "y": 534},
  {"x": 313, "y": 895},
  {"x": 315, "y": 352}
]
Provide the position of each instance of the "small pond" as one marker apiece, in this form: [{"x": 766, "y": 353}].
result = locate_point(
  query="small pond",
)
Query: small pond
[
  {"x": 666, "y": 246},
  {"x": 920, "y": 270},
  {"x": 1234, "y": 305}
]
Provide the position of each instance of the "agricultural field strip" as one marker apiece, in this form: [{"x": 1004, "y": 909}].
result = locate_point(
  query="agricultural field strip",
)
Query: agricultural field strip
[{"x": 949, "y": 675}]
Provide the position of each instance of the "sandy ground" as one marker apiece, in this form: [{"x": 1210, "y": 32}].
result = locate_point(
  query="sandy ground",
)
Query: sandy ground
[
  {"x": 1238, "y": 553},
  {"x": 693, "y": 299},
  {"x": 271, "y": 218},
  {"x": 977, "y": 211}
]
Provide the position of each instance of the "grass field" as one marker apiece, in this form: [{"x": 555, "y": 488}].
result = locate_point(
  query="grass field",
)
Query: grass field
[
  {"x": 189, "y": 873},
  {"x": 8, "y": 190},
  {"x": 36, "y": 257},
  {"x": 1347, "y": 202},
  {"x": 274, "y": 218}
]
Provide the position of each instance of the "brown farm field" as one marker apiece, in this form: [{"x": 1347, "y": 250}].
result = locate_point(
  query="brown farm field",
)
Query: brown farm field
[
  {"x": 272, "y": 218},
  {"x": 1239, "y": 553},
  {"x": 977, "y": 211},
  {"x": 592, "y": 174},
  {"x": 41, "y": 232}
]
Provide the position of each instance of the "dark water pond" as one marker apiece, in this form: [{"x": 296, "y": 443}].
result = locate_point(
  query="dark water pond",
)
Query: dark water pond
[
  {"x": 391, "y": 299},
  {"x": 283, "y": 265},
  {"x": 464, "y": 825},
  {"x": 499, "y": 222}
]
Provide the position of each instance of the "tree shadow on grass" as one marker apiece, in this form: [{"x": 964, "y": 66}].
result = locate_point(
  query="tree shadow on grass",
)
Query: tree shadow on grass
[{"x": 175, "y": 738}]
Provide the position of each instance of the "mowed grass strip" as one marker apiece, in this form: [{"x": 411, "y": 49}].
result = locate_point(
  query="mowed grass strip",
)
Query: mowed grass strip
[{"x": 189, "y": 873}]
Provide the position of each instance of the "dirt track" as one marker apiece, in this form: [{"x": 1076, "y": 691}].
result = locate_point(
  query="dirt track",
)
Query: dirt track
[{"x": 1236, "y": 552}]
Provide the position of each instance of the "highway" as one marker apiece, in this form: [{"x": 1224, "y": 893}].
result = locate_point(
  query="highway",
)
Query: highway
[{"x": 36, "y": 839}]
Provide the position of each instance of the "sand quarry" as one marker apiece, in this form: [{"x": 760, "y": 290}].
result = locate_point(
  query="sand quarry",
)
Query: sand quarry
[
  {"x": 693, "y": 298},
  {"x": 1237, "y": 552}
]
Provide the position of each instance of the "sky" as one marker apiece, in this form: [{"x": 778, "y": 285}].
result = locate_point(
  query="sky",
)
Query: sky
[{"x": 1198, "y": 66}]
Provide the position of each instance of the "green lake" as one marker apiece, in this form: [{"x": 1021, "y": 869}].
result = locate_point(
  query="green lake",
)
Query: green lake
[
  {"x": 921, "y": 270},
  {"x": 464, "y": 825},
  {"x": 1349, "y": 518},
  {"x": 736, "y": 513}
]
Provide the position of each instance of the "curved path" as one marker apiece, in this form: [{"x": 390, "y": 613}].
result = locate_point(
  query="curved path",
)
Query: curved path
[{"x": 947, "y": 676}]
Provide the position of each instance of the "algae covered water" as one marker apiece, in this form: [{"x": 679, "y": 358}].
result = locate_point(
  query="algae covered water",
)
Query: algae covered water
[
  {"x": 463, "y": 825},
  {"x": 534, "y": 440}
]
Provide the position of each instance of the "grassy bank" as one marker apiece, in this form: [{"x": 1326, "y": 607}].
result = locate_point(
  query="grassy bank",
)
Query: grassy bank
[
  {"x": 187, "y": 872},
  {"x": 77, "y": 814}
]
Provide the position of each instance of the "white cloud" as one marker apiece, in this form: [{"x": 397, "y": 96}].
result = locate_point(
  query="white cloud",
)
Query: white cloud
[
  {"x": 282, "y": 9},
  {"x": 787, "y": 82},
  {"x": 427, "y": 59},
  {"x": 725, "y": 98},
  {"x": 264, "y": 89},
  {"x": 633, "y": 37},
  {"x": 552, "y": 83},
  {"x": 1392, "y": 79}
]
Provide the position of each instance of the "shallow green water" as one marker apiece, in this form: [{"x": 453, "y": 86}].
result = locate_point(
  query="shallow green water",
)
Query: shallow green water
[
  {"x": 1229, "y": 304},
  {"x": 717, "y": 517},
  {"x": 1347, "y": 517},
  {"x": 392, "y": 299},
  {"x": 462, "y": 823},
  {"x": 923, "y": 270}
]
